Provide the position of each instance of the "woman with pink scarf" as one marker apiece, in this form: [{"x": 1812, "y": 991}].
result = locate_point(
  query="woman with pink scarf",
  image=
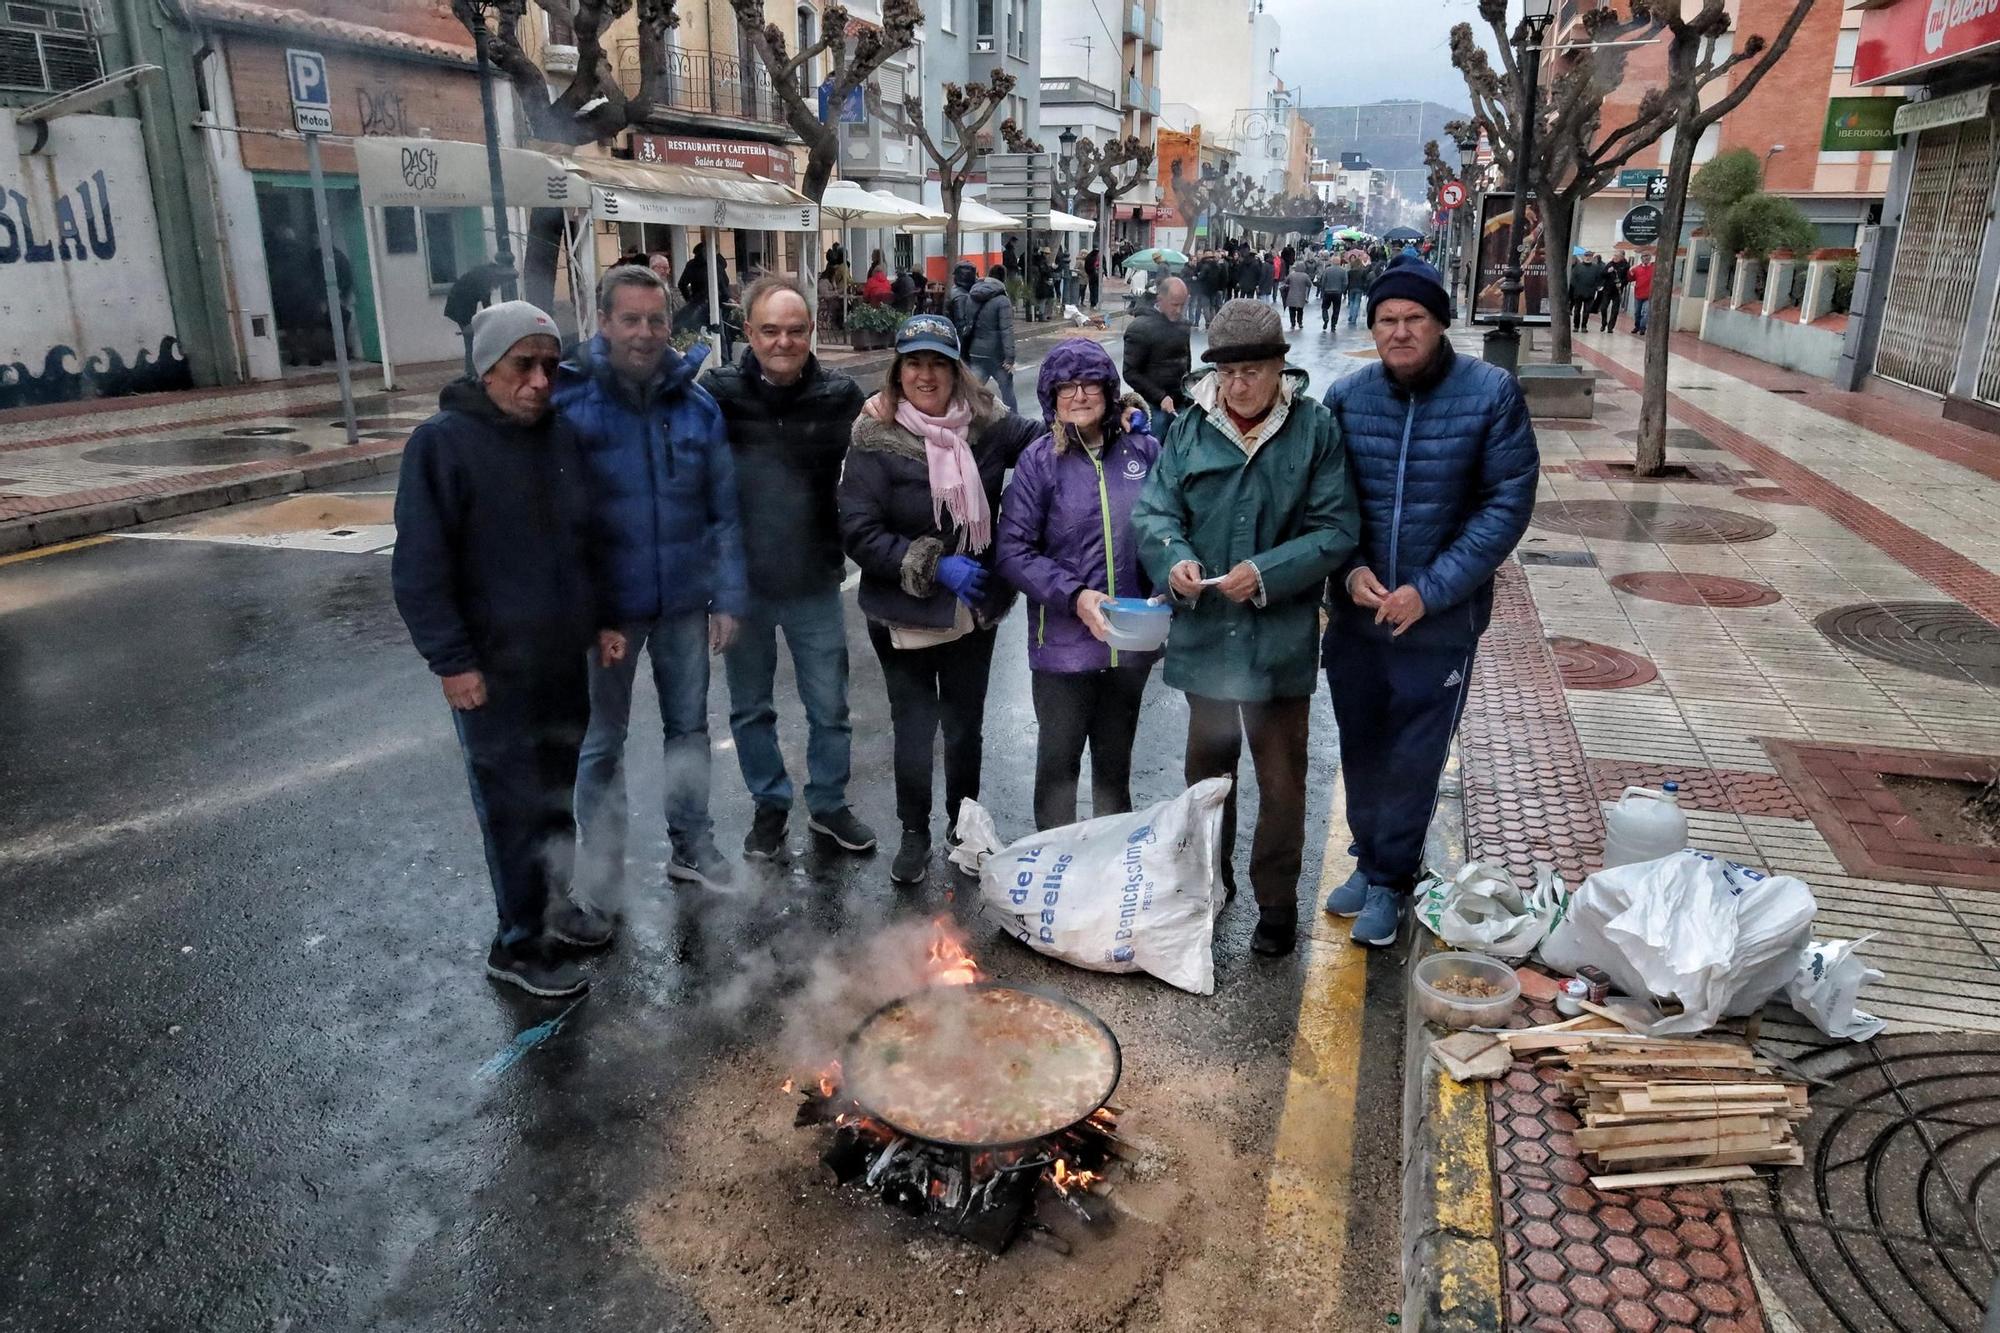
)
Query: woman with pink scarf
[{"x": 918, "y": 498}]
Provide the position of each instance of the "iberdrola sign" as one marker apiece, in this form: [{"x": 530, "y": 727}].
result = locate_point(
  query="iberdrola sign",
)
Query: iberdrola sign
[{"x": 1909, "y": 36}]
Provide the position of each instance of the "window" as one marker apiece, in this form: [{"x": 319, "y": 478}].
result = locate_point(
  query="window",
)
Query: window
[
  {"x": 399, "y": 230},
  {"x": 441, "y": 246},
  {"x": 948, "y": 15},
  {"x": 1843, "y": 48},
  {"x": 982, "y": 33},
  {"x": 47, "y": 47},
  {"x": 808, "y": 34}
]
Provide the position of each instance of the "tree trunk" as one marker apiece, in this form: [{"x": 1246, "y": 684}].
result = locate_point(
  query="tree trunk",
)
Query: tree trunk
[
  {"x": 951, "y": 189},
  {"x": 544, "y": 249},
  {"x": 1558, "y": 226},
  {"x": 1651, "y": 455},
  {"x": 823, "y": 154}
]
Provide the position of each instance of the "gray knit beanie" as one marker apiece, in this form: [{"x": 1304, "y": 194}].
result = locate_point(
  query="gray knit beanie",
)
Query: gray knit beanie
[
  {"x": 498, "y": 327},
  {"x": 1246, "y": 330}
]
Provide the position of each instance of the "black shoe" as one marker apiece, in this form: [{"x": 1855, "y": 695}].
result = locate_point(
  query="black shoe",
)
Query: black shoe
[
  {"x": 913, "y": 858},
  {"x": 702, "y": 864},
  {"x": 1277, "y": 933},
  {"x": 579, "y": 926},
  {"x": 766, "y": 839},
  {"x": 529, "y": 966},
  {"x": 849, "y": 833}
]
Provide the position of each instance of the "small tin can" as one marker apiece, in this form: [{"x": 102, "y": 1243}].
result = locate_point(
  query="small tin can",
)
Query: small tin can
[
  {"x": 1598, "y": 980},
  {"x": 1570, "y": 997}
]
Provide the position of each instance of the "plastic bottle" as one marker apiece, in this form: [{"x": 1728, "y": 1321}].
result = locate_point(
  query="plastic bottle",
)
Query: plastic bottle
[{"x": 1644, "y": 825}]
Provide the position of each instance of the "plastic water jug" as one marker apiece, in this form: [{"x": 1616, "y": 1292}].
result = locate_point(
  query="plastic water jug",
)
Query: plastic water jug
[{"x": 1644, "y": 825}]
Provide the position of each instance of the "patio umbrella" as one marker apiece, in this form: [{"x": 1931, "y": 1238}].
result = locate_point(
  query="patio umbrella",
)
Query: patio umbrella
[
  {"x": 1402, "y": 234},
  {"x": 1061, "y": 221},
  {"x": 1156, "y": 254}
]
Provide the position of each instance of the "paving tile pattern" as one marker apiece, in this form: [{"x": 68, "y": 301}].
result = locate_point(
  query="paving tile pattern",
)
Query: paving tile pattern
[
  {"x": 1697, "y": 473},
  {"x": 1866, "y": 823},
  {"x": 1770, "y": 495},
  {"x": 1719, "y": 789}
]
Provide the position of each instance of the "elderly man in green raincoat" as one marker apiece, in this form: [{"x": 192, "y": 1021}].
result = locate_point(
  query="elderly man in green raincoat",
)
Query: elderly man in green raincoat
[{"x": 1246, "y": 514}]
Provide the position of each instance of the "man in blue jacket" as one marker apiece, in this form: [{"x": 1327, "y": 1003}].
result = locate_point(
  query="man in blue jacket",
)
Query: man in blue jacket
[
  {"x": 1445, "y": 464},
  {"x": 497, "y": 573},
  {"x": 663, "y": 489}
]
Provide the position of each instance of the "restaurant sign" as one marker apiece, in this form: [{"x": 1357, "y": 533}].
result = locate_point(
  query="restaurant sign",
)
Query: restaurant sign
[{"x": 766, "y": 161}]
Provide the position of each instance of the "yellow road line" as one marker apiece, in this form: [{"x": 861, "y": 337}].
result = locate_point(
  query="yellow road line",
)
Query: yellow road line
[
  {"x": 58, "y": 549},
  {"x": 1312, "y": 1166}
]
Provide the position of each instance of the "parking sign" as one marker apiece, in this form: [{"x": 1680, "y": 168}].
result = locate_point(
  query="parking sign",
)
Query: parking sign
[{"x": 312, "y": 100}]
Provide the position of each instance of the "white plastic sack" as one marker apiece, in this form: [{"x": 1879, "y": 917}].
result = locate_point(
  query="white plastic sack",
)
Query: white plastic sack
[
  {"x": 1719, "y": 937},
  {"x": 1125, "y": 893},
  {"x": 1826, "y": 985},
  {"x": 1481, "y": 907}
]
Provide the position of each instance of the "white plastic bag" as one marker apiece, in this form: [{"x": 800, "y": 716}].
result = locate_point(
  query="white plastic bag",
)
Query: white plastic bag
[
  {"x": 1826, "y": 985},
  {"x": 1719, "y": 937},
  {"x": 1481, "y": 907},
  {"x": 1125, "y": 893}
]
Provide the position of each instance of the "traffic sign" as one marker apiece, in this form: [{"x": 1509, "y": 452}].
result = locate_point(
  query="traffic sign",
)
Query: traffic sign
[
  {"x": 312, "y": 99},
  {"x": 1641, "y": 225},
  {"x": 1656, "y": 188},
  {"x": 1452, "y": 195}
]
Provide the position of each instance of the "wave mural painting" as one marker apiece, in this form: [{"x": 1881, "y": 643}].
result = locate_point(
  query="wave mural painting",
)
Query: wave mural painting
[{"x": 84, "y": 308}]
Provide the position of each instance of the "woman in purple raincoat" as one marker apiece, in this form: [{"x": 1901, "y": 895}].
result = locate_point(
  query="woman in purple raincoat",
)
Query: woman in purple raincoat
[{"x": 1065, "y": 540}]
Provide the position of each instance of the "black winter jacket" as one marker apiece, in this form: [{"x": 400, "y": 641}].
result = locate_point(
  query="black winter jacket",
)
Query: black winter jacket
[
  {"x": 498, "y": 564},
  {"x": 788, "y": 442},
  {"x": 992, "y": 338},
  {"x": 887, "y": 523},
  {"x": 1157, "y": 357}
]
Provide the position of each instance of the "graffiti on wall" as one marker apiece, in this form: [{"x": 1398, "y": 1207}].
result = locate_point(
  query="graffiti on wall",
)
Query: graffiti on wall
[{"x": 84, "y": 309}]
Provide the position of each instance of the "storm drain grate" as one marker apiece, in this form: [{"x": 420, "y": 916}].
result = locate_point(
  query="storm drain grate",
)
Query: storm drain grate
[
  {"x": 1892, "y": 1222},
  {"x": 1650, "y": 521},
  {"x": 1936, "y": 638}
]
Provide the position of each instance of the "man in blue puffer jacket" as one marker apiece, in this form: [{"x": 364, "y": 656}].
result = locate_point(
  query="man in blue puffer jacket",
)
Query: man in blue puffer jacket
[
  {"x": 1444, "y": 462},
  {"x": 663, "y": 491}
]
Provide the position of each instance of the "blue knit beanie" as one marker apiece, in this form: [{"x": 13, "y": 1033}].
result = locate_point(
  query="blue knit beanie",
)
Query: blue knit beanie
[{"x": 1409, "y": 278}]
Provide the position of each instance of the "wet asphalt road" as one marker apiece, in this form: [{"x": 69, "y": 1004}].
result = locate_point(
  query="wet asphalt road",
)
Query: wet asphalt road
[{"x": 253, "y": 1078}]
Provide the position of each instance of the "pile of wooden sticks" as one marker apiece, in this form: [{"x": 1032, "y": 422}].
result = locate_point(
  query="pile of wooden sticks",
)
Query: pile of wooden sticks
[{"x": 1669, "y": 1110}]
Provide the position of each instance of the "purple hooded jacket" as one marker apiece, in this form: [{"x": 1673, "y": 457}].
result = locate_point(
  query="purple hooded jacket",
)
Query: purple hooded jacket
[{"x": 1066, "y": 521}]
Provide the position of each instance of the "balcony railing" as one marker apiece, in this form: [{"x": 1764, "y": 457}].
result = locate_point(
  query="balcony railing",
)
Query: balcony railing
[{"x": 705, "y": 83}]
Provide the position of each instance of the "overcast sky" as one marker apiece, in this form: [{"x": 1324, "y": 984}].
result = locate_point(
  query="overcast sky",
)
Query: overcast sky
[{"x": 1342, "y": 51}]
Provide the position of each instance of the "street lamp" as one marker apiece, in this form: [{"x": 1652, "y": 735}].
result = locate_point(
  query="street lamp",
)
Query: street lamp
[
  {"x": 1503, "y": 344},
  {"x": 503, "y": 254},
  {"x": 1066, "y": 142},
  {"x": 1468, "y": 261}
]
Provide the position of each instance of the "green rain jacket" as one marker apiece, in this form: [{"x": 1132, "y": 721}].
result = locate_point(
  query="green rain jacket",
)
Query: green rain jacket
[{"x": 1283, "y": 504}]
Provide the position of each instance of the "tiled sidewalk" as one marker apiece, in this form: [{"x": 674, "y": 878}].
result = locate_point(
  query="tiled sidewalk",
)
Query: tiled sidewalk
[{"x": 1713, "y": 669}]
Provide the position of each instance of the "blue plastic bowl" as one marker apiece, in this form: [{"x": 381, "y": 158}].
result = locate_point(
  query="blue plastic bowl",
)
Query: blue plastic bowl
[{"x": 1137, "y": 625}]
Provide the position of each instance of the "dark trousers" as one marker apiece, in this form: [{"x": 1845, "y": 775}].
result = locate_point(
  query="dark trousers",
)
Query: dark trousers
[
  {"x": 1579, "y": 312},
  {"x": 1077, "y": 708},
  {"x": 1298, "y": 314},
  {"x": 1093, "y": 283},
  {"x": 1607, "y": 310},
  {"x": 1329, "y": 309},
  {"x": 1398, "y": 707},
  {"x": 933, "y": 689},
  {"x": 521, "y": 752},
  {"x": 1277, "y": 733}
]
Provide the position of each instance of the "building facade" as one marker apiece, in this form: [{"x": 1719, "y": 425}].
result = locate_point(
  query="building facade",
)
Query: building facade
[{"x": 1116, "y": 46}]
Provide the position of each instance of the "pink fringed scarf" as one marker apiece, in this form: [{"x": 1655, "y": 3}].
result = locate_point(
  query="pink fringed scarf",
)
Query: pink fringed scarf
[{"x": 955, "y": 484}]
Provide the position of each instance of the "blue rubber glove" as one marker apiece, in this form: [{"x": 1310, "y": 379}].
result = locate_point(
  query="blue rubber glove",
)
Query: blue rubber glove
[{"x": 965, "y": 577}]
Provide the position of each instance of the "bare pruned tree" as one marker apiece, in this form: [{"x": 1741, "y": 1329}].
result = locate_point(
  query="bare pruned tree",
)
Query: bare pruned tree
[
  {"x": 1694, "y": 64},
  {"x": 852, "y": 59},
  {"x": 1016, "y": 138},
  {"x": 966, "y": 109}
]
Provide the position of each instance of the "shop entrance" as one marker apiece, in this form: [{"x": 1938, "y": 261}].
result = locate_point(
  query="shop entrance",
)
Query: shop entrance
[{"x": 292, "y": 260}]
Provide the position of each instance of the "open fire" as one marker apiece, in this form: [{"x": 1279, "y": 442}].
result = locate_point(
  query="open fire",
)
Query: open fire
[{"x": 968, "y": 1106}]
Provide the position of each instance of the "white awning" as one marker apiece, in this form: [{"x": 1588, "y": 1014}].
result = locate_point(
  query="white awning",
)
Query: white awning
[
  {"x": 1061, "y": 221},
  {"x": 976, "y": 216},
  {"x": 683, "y": 196},
  {"x": 450, "y": 173}
]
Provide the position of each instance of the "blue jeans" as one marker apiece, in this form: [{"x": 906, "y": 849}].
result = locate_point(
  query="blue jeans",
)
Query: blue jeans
[
  {"x": 1357, "y": 302},
  {"x": 1003, "y": 381},
  {"x": 1639, "y": 304},
  {"x": 816, "y": 634},
  {"x": 677, "y": 646}
]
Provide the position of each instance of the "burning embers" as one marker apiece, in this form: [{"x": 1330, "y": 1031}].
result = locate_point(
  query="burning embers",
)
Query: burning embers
[{"x": 961, "y": 1100}]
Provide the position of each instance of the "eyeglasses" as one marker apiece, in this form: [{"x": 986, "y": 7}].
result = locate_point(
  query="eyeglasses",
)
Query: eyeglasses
[
  {"x": 1241, "y": 374},
  {"x": 1080, "y": 389}
]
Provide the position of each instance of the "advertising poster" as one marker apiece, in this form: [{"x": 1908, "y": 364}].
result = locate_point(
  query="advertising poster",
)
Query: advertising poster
[{"x": 1496, "y": 239}]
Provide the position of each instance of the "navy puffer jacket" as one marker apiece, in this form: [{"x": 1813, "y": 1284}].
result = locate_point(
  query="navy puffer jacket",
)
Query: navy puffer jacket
[
  {"x": 663, "y": 488},
  {"x": 1446, "y": 478}
]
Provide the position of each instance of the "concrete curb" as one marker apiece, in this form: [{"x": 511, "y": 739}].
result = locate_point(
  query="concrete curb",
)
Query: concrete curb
[
  {"x": 1452, "y": 1273},
  {"x": 68, "y": 525}
]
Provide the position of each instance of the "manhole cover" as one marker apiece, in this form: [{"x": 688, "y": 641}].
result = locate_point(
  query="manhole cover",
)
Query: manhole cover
[
  {"x": 1651, "y": 521},
  {"x": 1559, "y": 559},
  {"x": 1678, "y": 437},
  {"x": 1695, "y": 589},
  {"x": 1936, "y": 638},
  {"x": 1893, "y": 1220},
  {"x": 256, "y": 431},
  {"x": 1770, "y": 495},
  {"x": 203, "y": 451},
  {"x": 1584, "y": 665}
]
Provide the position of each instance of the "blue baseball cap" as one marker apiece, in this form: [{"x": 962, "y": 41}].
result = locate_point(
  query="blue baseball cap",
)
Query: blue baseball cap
[{"x": 927, "y": 333}]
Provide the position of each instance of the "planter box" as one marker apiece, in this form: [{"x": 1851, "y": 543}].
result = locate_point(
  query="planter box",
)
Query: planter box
[{"x": 1559, "y": 391}]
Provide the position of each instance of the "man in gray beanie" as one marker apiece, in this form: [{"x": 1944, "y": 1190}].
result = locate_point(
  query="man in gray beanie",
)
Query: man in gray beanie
[
  {"x": 1246, "y": 513},
  {"x": 497, "y": 574}
]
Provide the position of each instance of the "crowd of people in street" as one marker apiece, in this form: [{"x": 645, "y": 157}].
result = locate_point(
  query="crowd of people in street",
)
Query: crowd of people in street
[{"x": 559, "y": 517}]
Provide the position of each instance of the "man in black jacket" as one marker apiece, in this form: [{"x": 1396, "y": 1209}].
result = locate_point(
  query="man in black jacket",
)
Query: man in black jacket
[
  {"x": 789, "y": 420},
  {"x": 1157, "y": 355},
  {"x": 497, "y": 575}
]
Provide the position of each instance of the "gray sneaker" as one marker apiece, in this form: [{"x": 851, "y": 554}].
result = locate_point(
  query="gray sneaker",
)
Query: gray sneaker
[
  {"x": 1350, "y": 897},
  {"x": 702, "y": 864},
  {"x": 1380, "y": 919},
  {"x": 572, "y": 923}
]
